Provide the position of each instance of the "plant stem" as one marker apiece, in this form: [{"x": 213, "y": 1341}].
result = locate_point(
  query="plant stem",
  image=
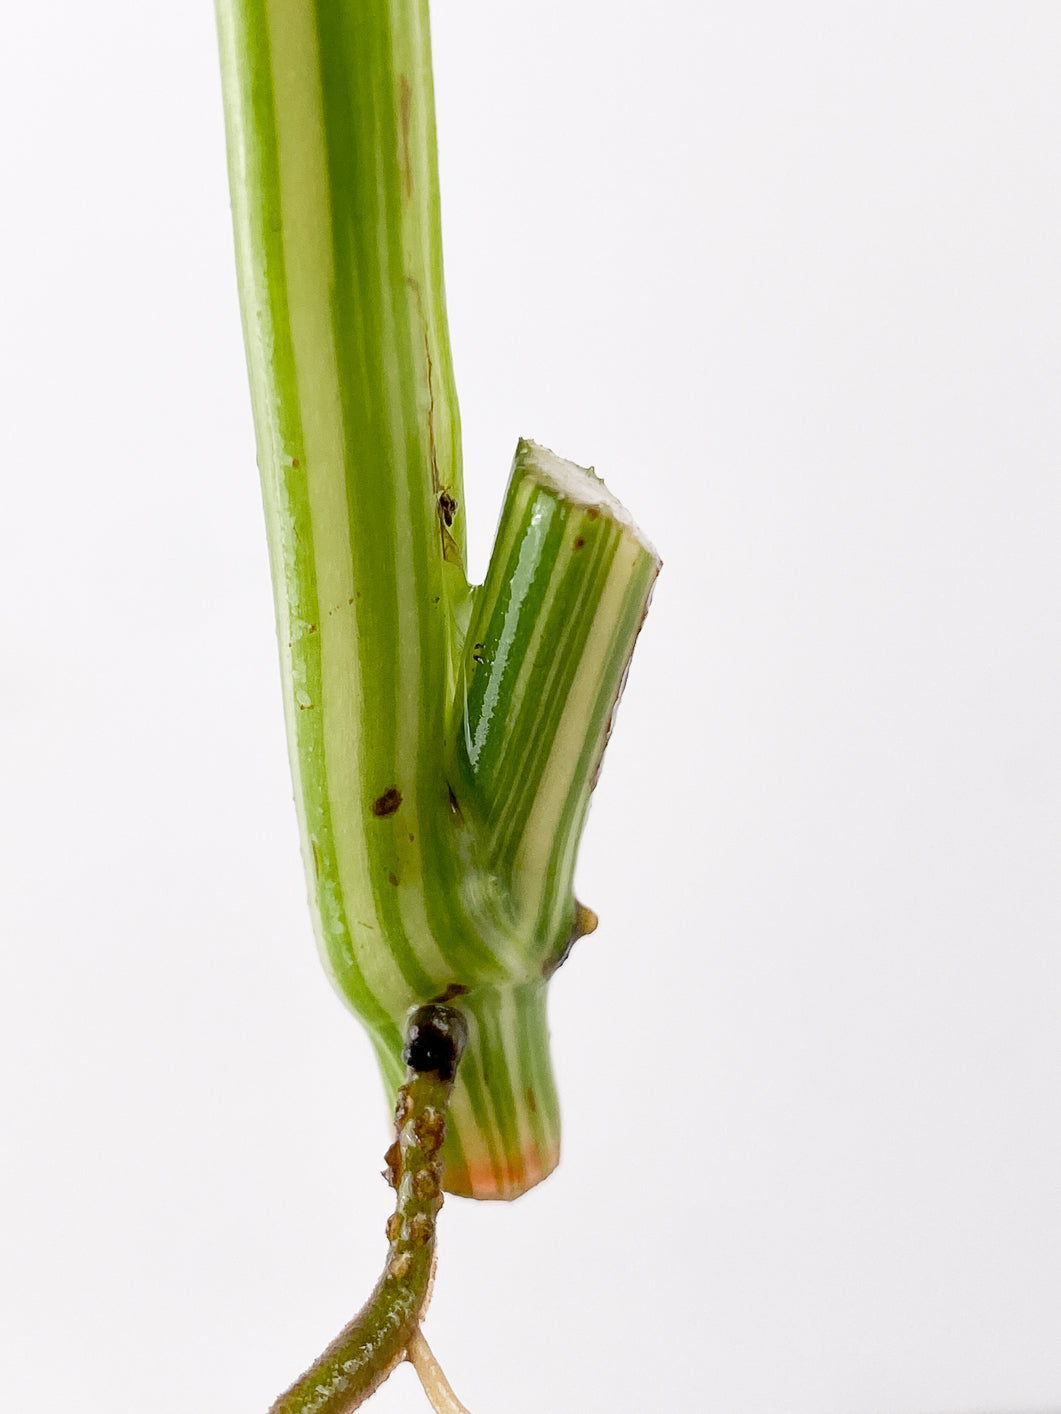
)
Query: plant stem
[
  {"x": 550, "y": 639},
  {"x": 377, "y": 1339},
  {"x": 442, "y": 774}
]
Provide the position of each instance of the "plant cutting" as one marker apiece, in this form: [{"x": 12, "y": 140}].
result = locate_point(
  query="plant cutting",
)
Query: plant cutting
[{"x": 444, "y": 739}]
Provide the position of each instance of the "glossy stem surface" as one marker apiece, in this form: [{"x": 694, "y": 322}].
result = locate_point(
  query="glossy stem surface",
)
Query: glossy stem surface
[{"x": 443, "y": 741}]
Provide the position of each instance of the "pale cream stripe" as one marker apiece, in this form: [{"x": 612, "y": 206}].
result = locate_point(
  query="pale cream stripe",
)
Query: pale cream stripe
[
  {"x": 555, "y": 783},
  {"x": 408, "y": 306},
  {"x": 306, "y": 227},
  {"x": 556, "y": 773},
  {"x": 509, "y": 1025},
  {"x": 530, "y": 665}
]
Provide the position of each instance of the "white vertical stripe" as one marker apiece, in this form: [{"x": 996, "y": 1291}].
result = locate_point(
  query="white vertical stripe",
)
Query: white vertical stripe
[{"x": 307, "y": 240}]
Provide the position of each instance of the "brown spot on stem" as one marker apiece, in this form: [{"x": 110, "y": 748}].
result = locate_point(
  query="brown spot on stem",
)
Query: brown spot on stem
[
  {"x": 435, "y": 1037},
  {"x": 451, "y": 551},
  {"x": 420, "y": 1228},
  {"x": 436, "y": 479},
  {"x": 295, "y": 463},
  {"x": 592, "y": 513},
  {"x": 393, "y": 1159},
  {"x": 454, "y": 805},
  {"x": 580, "y": 540},
  {"x": 402, "y": 1107},
  {"x": 455, "y": 989},
  {"x": 430, "y": 1130},
  {"x": 400, "y": 1266},
  {"x": 392, "y": 878},
  {"x": 387, "y": 803},
  {"x": 447, "y": 507},
  {"x": 532, "y": 1102},
  {"x": 425, "y": 1186}
]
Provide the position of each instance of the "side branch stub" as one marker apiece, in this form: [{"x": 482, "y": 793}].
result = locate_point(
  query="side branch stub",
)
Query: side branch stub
[{"x": 443, "y": 744}]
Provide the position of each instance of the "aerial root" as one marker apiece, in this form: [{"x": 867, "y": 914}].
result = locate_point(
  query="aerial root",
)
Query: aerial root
[{"x": 436, "y": 1386}]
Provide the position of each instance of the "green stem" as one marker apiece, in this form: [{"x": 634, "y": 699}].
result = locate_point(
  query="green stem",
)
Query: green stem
[
  {"x": 376, "y": 1340},
  {"x": 332, "y": 158},
  {"x": 550, "y": 639},
  {"x": 441, "y": 783}
]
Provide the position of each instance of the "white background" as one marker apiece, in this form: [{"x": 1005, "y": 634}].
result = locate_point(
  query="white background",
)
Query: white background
[{"x": 787, "y": 274}]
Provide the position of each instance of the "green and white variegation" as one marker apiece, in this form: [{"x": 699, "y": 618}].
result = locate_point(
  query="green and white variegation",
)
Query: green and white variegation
[{"x": 444, "y": 741}]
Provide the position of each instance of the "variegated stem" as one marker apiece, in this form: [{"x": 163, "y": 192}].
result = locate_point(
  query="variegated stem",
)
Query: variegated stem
[
  {"x": 551, "y": 635},
  {"x": 376, "y": 1340},
  {"x": 441, "y": 786}
]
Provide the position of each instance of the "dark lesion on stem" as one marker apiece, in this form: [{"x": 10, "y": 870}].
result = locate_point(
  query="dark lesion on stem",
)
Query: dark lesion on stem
[
  {"x": 379, "y": 1337},
  {"x": 435, "y": 1038}
]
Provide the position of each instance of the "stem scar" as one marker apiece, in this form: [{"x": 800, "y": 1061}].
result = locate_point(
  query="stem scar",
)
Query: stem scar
[{"x": 387, "y": 803}]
